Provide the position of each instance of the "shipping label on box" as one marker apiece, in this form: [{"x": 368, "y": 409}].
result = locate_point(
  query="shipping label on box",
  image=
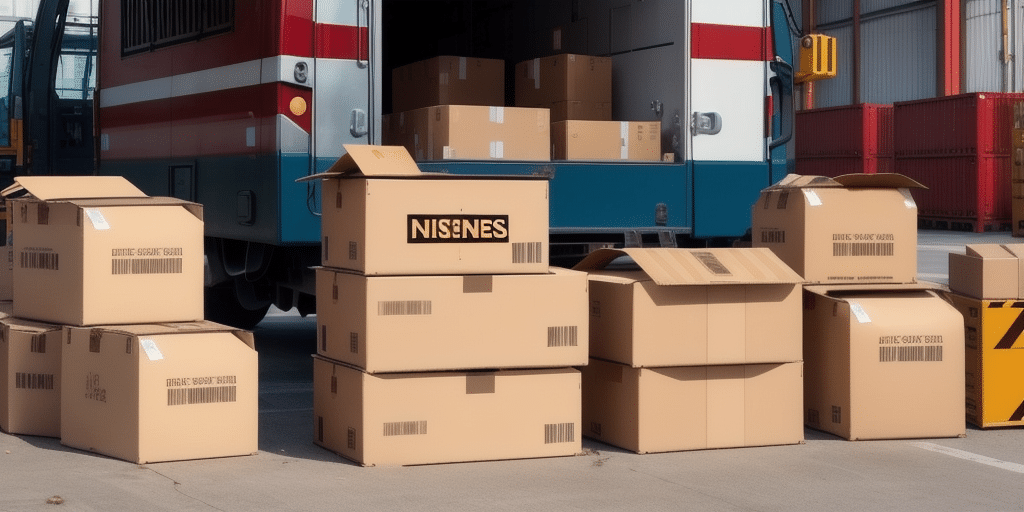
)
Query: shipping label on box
[
  {"x": 432, "y": 323},
  {"x": 606, "y": 140},
  {"x": 857, "y": 228},
  {"x": 684, "y": 307},
  {"x": 30, "y": 377},
  {"x": 428, "y": 418},
  {"x": 448, "y": 80},
  {"x": 883, "y": 362},
  {"x": 152, "y": 393}
]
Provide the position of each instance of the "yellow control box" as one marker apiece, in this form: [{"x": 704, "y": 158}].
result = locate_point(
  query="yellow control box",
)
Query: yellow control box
[{"x": 817, "y": 58}]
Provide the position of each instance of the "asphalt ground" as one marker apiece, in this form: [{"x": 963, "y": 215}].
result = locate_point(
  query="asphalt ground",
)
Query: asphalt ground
[{"x": 983, "y": 471}]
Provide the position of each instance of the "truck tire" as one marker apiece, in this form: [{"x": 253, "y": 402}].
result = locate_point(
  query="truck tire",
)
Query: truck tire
[{"x": 221, "y": 306}]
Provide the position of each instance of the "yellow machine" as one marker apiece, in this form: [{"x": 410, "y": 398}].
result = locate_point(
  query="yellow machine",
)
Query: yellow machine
[{"x": 817, "y": 58}]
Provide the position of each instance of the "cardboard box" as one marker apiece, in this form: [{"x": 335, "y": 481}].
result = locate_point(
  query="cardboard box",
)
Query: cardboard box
[
  {"x": 448, "y": 80},
  {"x": 606, "y": 140},
  {"x": 687, "y": 307},
  {"x": 30, "y": 377},
  {"x": 883, "y": 362},
  {"x": 580, "y": 110},
  {"x": 994, "y": 360},
  {"x": 153, "y": 393},
  {"x": 428, "y": 418},
  {"x": 381, "y": 216},
  {"x": 988, "y": 271},
  {"x": 693, "y": 407},
  {"x": 857, "y": 228},
  {"x": 6, "y": 258},
  {"x": 566, "y": 77},
  {"x": 465, "y": 132},
  {"x": 430, "y": 323},
  {"x": 92, "y": 250}
]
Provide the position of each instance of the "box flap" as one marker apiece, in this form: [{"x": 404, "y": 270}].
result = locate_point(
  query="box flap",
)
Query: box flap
[
  {"x": 988, "y": 251},
  {"x": 667, "y": 266},
  {"x": 48, "y": 188},
  {"x": 800, "y": 181},
  {"x": 368, "y": 160},
  {"x": 839, "y": 289},
  {"x": 202, "y": 326},
  {"x": 1017, "y": 250},
  {"x": 879, "y": 180}
]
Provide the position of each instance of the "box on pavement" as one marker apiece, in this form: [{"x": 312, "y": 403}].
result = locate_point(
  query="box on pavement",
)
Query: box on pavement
[
  {"x": 883, "y": 362},
  {"x": 470, "y": 132},
  {"x": 988, "y": 271},
  {"x": 543, "y": 82},
  {"x": 29, "y": 377},
  {"x": 684, "y": 307},
  {"x": 153, "y": 393},
  {"x": 427, "y": 418},
  {"x": 606, "y": 140},
  {"x": 431, "y": 323},
  {"x": 95, "y": 250},
  {"x": 448, "y": 80},
  {"x": 381, "y": 216},
  {"x": 693, "y": 407},
  {"x": 857, "y": 228}
]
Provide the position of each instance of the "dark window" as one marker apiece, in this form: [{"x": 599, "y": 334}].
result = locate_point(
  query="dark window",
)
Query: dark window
[{"x": 150, "y": 24}]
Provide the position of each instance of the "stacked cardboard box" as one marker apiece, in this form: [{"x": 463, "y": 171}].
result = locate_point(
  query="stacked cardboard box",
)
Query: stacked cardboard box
[
  {"x": 443, "y": 335},
  {"x": 987, "y": 287},
  {"x": 1017, "y": 169},
  {"x": 572, "y": 86},
  {"x": 107, "y": 347},
  {"x": 883, "y": 354},
  {"x": 693, "y": 349}
]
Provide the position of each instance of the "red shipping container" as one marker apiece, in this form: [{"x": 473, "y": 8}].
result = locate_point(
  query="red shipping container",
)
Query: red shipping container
[
  {"x": 965, "y": 193},
  {"x": 844, "y": 140},
  {"x": 975, "y": 123}
]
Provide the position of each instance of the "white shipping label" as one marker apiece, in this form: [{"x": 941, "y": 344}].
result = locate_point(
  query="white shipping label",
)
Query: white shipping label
[
  {"x": 462, "y": 68},
  {"x": 497, "y": 149},
  {"x": 812, "y": 197},
  {"x": 858, "y": 311},
  {"x": 151, "y": 350},
  {"x": 908, "y": 199},
  {"x": 497, "y": 115},
  {"x": 624, "y": 138},
  {"x": 99, "y": 222}
]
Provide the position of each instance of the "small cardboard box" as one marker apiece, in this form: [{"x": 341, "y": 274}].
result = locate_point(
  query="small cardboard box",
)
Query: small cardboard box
[
  {"x": 994, "y": 360},
  {"x": 988, "y": 271},
  {"x": 153, "y": 393},
  {"x": 402, "y": 419},
  {"x": 95, "y": 250},
  {"x": 606, "y": 140},
  {"x": 30, "y": 377},
  {"x": 857, "y": 228},
  {"x": 883, "y": 362},
  {"x": 381, "y": 216},
  {"x": 566, "y": 77},
  {"x": 448, "y": 80},
  {"x": 693, "y": 407},
  {"x": 467, "y": 132},
  {"x": 687, "y": 307},
  {"x": 432, "y": 323}
]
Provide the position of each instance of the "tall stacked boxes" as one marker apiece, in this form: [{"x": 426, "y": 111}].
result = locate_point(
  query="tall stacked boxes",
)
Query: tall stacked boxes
[
  {"x": 107, "y": 318},
  {"x": 1017, "y": 169},
  {"x": 842, "y": 140},
  {"x": 692, "y": 349},
  {"x": 443, "y": 335},
  {"x": 883, "y": 354},
  {"x": 987, "y": 287}
]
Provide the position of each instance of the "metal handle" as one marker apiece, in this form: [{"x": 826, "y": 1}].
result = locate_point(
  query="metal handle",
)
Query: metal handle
[
  {"x": 362, "y": 11},
  {"x": 706, "y": 123},
  {"x": 783, "y": 80}
]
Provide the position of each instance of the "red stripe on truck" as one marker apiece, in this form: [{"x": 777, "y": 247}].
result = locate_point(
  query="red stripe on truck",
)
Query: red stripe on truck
[{"x": 730, "y": 42}]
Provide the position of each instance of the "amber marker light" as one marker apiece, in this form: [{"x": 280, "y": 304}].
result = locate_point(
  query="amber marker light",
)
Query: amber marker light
[{"x": 297, "y": 106}]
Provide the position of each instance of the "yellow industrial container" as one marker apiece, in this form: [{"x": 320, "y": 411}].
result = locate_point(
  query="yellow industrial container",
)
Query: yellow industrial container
[{"x": 817, "y": 58}]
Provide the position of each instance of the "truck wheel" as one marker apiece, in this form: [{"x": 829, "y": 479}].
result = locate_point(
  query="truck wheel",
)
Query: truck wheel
[{"x": 221, "y": 306}]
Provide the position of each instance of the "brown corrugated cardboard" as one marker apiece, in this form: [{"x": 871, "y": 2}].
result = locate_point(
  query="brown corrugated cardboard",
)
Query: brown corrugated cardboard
[
  {"x": 580, "y": 110},
  {"x": 465, "y": 132},
  {"x": 6, "y": 257},
  {"x": 883, "y": 362},
  {"x": 606, "y": 140},
  {"x": 988, "y": 271},
  {"x": 430, "y": 323},
  {"x": 566, "y": 77},
  {"x": 693, "y": 307},
  {"x": 382, "y": 217},
  {"x": 151, "y": 393},
  {"x": 692, "y": 407},
  {"x": 857, "y": 228},
  {"x": 994, "y": 360},
  {"x": 98, "y": 252},
  {"x": 427, "y": 418},
  {"x": 30, "y": 377},
  {"x": 448, "y": 80}
]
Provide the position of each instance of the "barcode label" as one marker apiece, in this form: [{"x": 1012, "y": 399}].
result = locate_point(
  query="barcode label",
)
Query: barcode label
[
  {"x": 918, "y": 353},
  {"x": 527, "y": 252},
  {"x": 208, "y": 395},
  {"x": 33, "y": 380},
  {"x": 40, "y": 260},
  {"x": 562, "y": 336},
  {"x": 403, "y": 307},
  {"x": 38, "y": 344},
  {"x": 559, "y": 433},
  {"x": 773, "y": 237},
  {"x": 712, "y": 263},
  {"x": 862, "y": 249},
  {"x": 405, "y": 428},
  {"x": 123, "y": 266}
]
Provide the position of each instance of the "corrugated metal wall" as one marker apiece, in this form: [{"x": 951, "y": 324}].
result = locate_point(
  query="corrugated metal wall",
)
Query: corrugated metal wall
[{"x": 983, "y": 46}]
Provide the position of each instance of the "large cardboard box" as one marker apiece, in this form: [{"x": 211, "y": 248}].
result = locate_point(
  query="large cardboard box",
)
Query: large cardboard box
[
  {"x": 988, "y": 271},
  {"x": 580, "y": 110},
  {"x": 381, "y": 216},
  {"x": 994, "y": 360},
  {"x": 693, "y": 407},
  {"x": 467, "y": 132},
  {"x": 883, "y": 362},
  {"x": 606, "y": 140},
  {"x": 427, "y": 418},
  {"x": 448, "y": 80},
  {"x": 693, "y": 307},
  {"x": 430, "y": 323},
  {"x": 857, "y": 228},
  {"x": 565, "y": 77},
  {"x": 152, "y": 393},
  {"x": 95, "y": 250},
  {"x": 29, "y": 377}
]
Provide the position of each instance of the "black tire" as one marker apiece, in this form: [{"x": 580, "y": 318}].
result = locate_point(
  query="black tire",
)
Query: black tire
[{"x": 221, "y": 306}]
